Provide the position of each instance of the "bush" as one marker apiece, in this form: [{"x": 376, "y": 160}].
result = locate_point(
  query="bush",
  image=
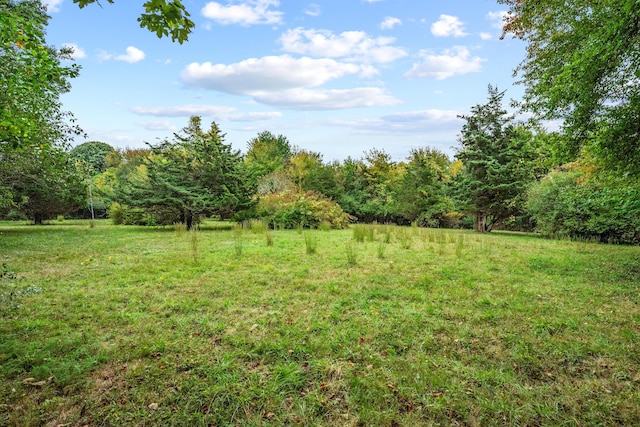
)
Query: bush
[
  {"x": 124, "y": 215},
  {"x": 570, "y": 203},
  {"x": 299, "y": 209}
]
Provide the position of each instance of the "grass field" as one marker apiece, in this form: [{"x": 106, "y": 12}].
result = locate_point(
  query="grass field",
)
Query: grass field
[{"x": 372, "y": 326}]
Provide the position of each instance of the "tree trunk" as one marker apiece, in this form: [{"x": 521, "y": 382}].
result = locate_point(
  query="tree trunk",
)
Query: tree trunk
[
  {"x": 188, "y": 220},
  {"x": 38, "y": 218},
  {"x": 481, "y": 223}
]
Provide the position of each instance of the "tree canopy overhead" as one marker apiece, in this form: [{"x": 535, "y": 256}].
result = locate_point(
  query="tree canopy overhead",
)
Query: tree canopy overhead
[
  {"x": 582, "y": 66},
  {"x": 162, "y": 17}
]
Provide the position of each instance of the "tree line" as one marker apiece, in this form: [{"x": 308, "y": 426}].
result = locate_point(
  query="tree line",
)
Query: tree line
[{"x": 580, "y": 181}]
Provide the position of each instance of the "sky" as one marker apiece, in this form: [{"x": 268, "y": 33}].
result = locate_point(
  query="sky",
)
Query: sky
[{"x": 338, "y": 77}]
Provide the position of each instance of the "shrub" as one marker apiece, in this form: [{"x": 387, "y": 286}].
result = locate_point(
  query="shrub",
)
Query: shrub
[
  {"x": 116, "y": 213},
  {"x": 301, "y": 209},
  {"x": 570, "y": 203},
  {"x": 124, "y": 215}
]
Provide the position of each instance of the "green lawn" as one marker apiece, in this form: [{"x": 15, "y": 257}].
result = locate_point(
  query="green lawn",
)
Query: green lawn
[{"x": 142, "y": 326}]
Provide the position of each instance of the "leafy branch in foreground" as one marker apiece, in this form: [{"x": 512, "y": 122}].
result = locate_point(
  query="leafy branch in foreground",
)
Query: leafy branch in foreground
[
  {"x": 582, "y": 67},
  {"x": 162, "y": 17}
]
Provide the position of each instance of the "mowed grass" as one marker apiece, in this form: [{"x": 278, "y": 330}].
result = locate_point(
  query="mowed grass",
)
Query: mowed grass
[{"x": 376, "y": 326}]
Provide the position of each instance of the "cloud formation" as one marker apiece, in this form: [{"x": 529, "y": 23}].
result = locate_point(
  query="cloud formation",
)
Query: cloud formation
[
  {"x": 249, "y": 12},
  {"x": 313, "y": 10},
  {"x": 132, "y": 56},
  {"x": 389, "y": 22},
  {"x": 355, "y": 46},
  {"x": 161, "y": 125},
  {"x": 221, "y": 113},
  {"x": 497, "y": 18},
  {"x": 268, "y": 74},
  {"x": 450, "y": 62},
  {"x": 447, "y": 26},
  {"x": 327, "y": 99},
  {"x": 420, "y": 121}
]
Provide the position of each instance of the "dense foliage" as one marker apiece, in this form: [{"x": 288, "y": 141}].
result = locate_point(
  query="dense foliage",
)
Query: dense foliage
[
  {"x": 41, "y": 183},
  {"x": 37, "y": 177},
  {"x": 582, "y": 66},
  {"x": 498, "y": 163},
  {"x": 93, "y": 155},
  {"x": 195, "y": 174},
  {"x": 292, "y": 209},
  {"x": 31, "y": 79},
  {"x": 574, "y": 202}
]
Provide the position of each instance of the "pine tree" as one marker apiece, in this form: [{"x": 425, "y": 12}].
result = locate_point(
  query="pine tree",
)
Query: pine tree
[
  {"x": 498, "y": 163},
  {"x": 196, "y": 174}
]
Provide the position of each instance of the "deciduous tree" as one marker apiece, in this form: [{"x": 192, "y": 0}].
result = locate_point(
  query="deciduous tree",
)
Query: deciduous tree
[
  {"x": 42, "y": 183},
  {"x": 32, "y": 79},
  {"x": 582, "y": 66}
]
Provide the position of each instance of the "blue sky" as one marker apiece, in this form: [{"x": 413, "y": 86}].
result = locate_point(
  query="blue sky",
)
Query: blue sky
[{"x": 336, "y": 77}]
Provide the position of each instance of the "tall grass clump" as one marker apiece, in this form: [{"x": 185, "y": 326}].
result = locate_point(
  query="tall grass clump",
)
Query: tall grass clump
[
  {"x": 405, "y": 238},
  {"x": 359, "y": 232},
  {"x": 257, "y": 226},
  {"x": 352, "y": 256},
  {"x": 193, "y": 237},
  {"x": 459, "y": 245},
  {"x": 325, "y": 226},
  {"x": 311, "y": 243},
  {"x": 381, "y": 248},
  {"x": 269, "y": 237},
  {"x": 179, "y": 228},
  {"x": 237, "y": 240}
]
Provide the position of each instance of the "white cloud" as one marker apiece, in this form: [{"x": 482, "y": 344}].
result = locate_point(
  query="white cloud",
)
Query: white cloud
[
  {"x": 254, "y": 117},
  {"x": 183, "y": 110},
  {"x": 450, "y": 62},
  {"x": 249, "y": 12},
  {"x": 269, "y": 73},
  {"x": 133, "y": 55},
  {"x": 52, "y": 5},
  {"x": 448, "y": 25},
  {"x": 423, "y": 116},
  {"x": 486, "y": 36},
  {"x": 215, "y": 111},
  {"x": 327, "y": 99},
  {"x": 78, "y": 53},
  {"x": 313, "y": 9},
  {"x": 421, "y": 121},
  {"x": 351, "y": 45},
  {"x": 158, "y": 125},
  {"x": 389, "y": 22},
  {"x": 497, "y": 18}
]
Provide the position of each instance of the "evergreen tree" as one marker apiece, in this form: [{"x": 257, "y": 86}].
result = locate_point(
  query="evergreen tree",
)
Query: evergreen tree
[
  {"x": 497, "y": 163},
  {"x": 196, "y": 174}
]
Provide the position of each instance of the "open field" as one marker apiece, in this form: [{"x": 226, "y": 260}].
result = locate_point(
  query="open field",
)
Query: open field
[{"x": 373, "y": 326}]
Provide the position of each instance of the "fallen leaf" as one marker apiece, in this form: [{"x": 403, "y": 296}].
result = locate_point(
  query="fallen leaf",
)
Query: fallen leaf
[{"x": 153, "y": 406}]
